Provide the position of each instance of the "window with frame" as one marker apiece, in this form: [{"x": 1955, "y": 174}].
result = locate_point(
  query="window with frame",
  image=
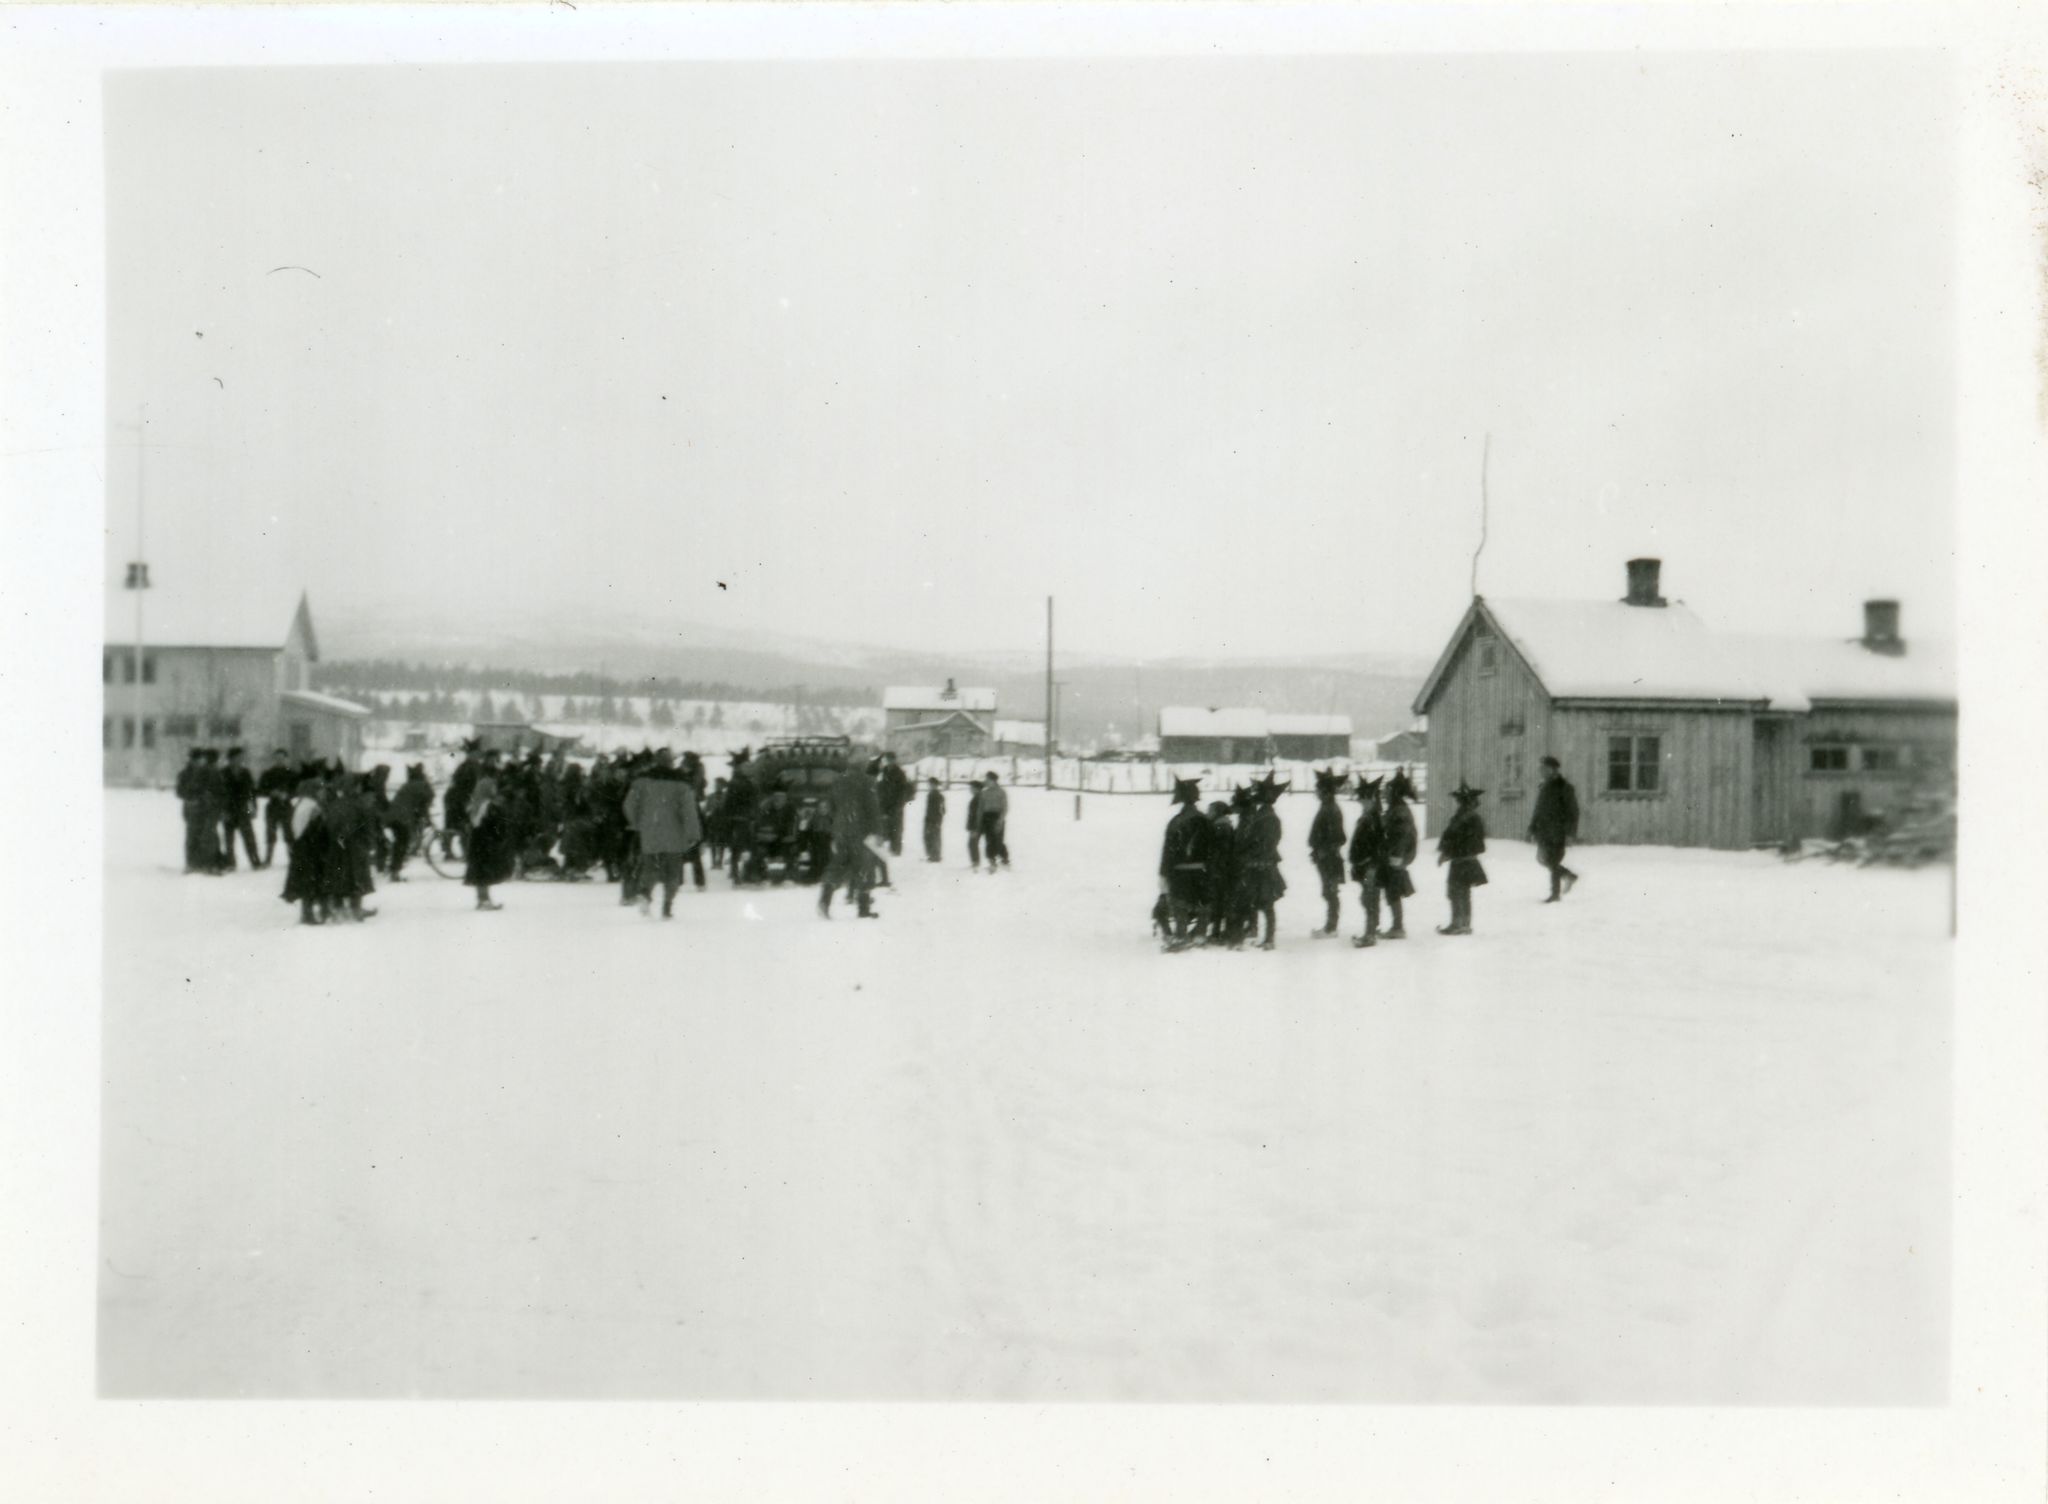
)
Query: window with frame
[
  {"x": 127, "y": 731},
  {"x": 149, "y": 668},
  {"x": 106, "y": 732},
  {"x": 181, "y": 727},
  {"x": 1882, "y": 759},
  {"x": 224, "y": 726},
  {"x": 1488, "y": 649},
  {"x": 106, "y": 668},
  {"x": 1511, "y": 770},
  {"x": 1635, "y": 764},
  {"x": 149, "y": 732},
  {"x": 1827, "y": 759}
]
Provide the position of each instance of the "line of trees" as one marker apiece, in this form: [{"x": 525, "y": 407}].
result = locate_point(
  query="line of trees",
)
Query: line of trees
[{"x": 439, "y": 681}]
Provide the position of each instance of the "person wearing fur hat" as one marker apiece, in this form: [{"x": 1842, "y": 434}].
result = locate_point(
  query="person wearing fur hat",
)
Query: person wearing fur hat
[
  {"x": 1259, "y": 857},
  {"x": 1183, "y": 863},
  {"x": 1554, "y": 825},
  {"x": 1398, "y": 847},
  {"x": 1368, "y": 854},
  {"x": 1326, "y": 847},
  {"x": 1460, "y": 845}
]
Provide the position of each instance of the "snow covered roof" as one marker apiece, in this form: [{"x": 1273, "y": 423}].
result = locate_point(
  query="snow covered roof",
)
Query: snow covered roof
[
  {"x": 951, "y": 717},
  {"x": 327, "y": 703},
  {"x": 1025, "y": 733},
  {"x": 1187, "y": 720},
  {"x": 1609, "y": 650},
  {"x": 252, "y": 614},
  {"x": 1309, "y": 725},
  {"x": 902, "y": 697}
]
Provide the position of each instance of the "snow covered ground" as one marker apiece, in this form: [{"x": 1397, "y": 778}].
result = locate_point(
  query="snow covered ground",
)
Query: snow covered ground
[{"x": 1682, "y": 1138}]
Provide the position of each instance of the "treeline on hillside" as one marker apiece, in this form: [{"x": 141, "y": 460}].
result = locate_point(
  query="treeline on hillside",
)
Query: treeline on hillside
[{"x": 429, "y": 681}]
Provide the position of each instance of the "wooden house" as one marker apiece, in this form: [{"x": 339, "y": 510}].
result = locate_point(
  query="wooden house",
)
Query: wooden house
[
  {"x": 948, "y": 722},
  {"x": 1189, "y": 735},
  {"x": 215, "y": 670},
  {"x": 1310, "y": 738},
  {"x": 1678, "y": 735}
]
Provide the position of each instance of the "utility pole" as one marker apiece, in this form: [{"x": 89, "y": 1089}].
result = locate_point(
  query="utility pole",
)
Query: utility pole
[{"x": 1051, "y": 746}]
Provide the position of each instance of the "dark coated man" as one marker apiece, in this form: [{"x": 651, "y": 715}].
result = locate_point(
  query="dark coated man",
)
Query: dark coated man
[
  {"x": 1460, "y": 846},
  {"x": 1183, "y": 864},
  {"x": 491, "y": 837},
  {"x": 934, "y": 820},
  {"x": 411, "y": 807},
  {"x": 1554, "y": 825},
  {"x": 1326, "y": 847},
  {"x": 238, "y": 811},
  {"x": 1368, "y": 857},
  {"x": 275, "y": 789},
  {"x": 856, "y": 819},
  {"x": 893, "y": 792},
  {"x": 995, "y": 823},
  {"x": 661, "y": 809}
]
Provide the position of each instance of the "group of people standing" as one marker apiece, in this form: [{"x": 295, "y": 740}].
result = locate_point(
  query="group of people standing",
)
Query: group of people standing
[{"x": 1219, "y": 871}]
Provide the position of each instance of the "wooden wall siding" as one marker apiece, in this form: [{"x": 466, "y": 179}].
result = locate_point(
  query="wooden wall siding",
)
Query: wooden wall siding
[
  {"x": 1466, "y": 742},
  {"x": 1705, "y": 799},
  {"x": 1817, "y": 798}
]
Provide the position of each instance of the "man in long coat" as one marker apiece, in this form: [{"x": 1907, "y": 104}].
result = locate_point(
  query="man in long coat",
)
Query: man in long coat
[
  {"x": 237, "y": 811},
  {"x": 934, "y": 821},
  {"x": 192, "y": 806},
  {"x": 661, "y": 809},
  {"x": 856, "y": 818},
  {"x": 1183, "y": 863},
  {"x": 1554, "y": 825},
  {"x": 894, "y": 792},
  {"x": 1396, "y": 852},
  {"x": 1259, "y": 857},
  {"x": 275, "y": 789}
]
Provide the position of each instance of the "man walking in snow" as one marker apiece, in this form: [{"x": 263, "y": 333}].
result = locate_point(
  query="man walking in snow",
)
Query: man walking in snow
[
  {"x": 995, "y": 817},
  {"x": 661, "y": 809},
  {"x": 894, "y": 791},
  {"x": 974, "y": 826},
  {"x": 238, "y": 811},
  {"x": 1461, "y": 844},
  {"x": 856, "y": 819},
  {"x": 1554, "y": 825}
]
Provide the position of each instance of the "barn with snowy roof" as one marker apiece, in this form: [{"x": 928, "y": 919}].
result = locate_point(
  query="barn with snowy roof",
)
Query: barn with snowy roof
[
  {"x": 180, "y": 669},
  {"x": 1675, "y": 734},
  {"x": 948, "y": 722}
]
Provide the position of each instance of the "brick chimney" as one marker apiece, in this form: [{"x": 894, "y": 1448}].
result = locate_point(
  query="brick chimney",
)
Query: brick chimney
[
  {"x": 1642, "y": 582},
  {"x": 950, "y": 692},
  {"x": 1881, "y": 628}
]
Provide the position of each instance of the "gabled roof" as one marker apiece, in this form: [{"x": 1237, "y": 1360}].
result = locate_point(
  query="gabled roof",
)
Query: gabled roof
[
  {"x": 1608, "y": 650},
  {"x": 1188, "y": 720},
  {"x": 1309, "y": 725},
  {"x": 241, "y": 614},
  {"x": 907, "y": 697},
  {"x": 938, "y": 721}
]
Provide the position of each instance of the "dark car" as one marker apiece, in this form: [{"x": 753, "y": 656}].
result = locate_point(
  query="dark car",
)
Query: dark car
[{"x": 792, "y": 780}]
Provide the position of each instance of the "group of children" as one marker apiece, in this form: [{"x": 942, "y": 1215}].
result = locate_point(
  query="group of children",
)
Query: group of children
[{"x": 1219, "y": 872}]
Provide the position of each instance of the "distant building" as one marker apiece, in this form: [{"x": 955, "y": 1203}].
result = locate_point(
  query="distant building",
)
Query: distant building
[
  {"x": 1310, "y": 738},
  {"x": 216, "y": 672},
  {"x": 1020, "y": 739},
  {"x": 1678, "y": 735},
  {"x": 1187, "y": 734},
  {"x": 1410, "y": 747},
  {"x": 948, "y": 722}
]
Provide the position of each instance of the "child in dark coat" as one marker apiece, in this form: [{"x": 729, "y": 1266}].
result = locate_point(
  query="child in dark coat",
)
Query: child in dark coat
[{"x": 1464, "y": 838}]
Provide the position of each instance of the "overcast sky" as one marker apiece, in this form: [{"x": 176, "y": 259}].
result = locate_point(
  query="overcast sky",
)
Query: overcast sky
[{"x": 1205, "y": 349}]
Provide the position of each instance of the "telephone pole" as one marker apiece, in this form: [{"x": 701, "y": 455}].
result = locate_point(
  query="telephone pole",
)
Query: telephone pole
[{"x": 1050, "y": 745}]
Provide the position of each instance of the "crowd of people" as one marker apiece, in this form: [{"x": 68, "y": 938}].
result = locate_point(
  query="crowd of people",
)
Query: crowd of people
[
  {"x": 649, "y": 820},
  {"x": 1219, "y": 870}
]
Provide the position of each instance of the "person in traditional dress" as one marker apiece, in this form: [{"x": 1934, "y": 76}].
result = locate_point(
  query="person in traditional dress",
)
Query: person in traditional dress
[
  {"x": 1460, "y": 845},
  {"x": 305, "y": 875},
  {"x": 1222, "y": 921},
  {"x": 1368, "y": 855},
  {"x": 1326, "y": 847},
  {"x": 1184, "y": 864},
  {"x": 1397, "y": 852},
  {"x": 1260, "y": 858}
]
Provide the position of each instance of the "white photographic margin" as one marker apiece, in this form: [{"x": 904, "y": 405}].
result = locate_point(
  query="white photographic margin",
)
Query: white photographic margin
[{"x": 58, "y": 1442}]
